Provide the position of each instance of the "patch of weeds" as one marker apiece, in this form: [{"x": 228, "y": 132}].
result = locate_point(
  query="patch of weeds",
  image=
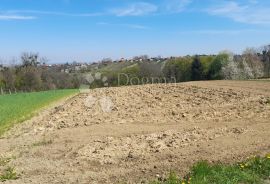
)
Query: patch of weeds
[
  {"x": 253, "y": 170},
  {"x": 204, "y": 173},
  {"x": 258, "y": 165},
  {"x": 4, "y": 161},
  {"x": 42, "y": 143},
  {"x": 8, "y": 174},
  {"x": 172, "y": 179}
]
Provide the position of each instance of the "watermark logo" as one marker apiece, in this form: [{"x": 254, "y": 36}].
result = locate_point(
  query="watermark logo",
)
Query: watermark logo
[
  {"x": 97, "y": 77},
  {"x": 105, "y": 103},
  {"x": 125, "y": 79}
]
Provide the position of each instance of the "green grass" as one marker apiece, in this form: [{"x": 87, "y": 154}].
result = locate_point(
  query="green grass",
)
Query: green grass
[
  {"x": 8, "y": 174},
  {"x": 19, "y": 107},
  {"x": 255, "y": 170}
]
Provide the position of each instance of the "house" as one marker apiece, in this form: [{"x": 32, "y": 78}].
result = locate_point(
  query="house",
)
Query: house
[{"x": 122, "y": 60}]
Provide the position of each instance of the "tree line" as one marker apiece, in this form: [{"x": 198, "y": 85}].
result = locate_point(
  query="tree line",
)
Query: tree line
[
  {"x": 31, "y": 76},
  {"x": 251, "y": 64}
]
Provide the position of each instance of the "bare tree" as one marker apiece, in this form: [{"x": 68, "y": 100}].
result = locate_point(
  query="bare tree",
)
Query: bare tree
[
  {"x": 150, "y": 69},
  {"x": 43, "y": 60},
  {"x": 1, "y": 64},
  {"x": 266, "y": 60},
  {"x": 9, "y": 78},
  {"x": 106, "y": 60},
  {"x": 30, "y": 59},
  {"x": 252, "y": 63},
  {"x": 141, "y": 58},
  {"x": 1, "y": 81},
  {"x": 13, "y": 62}
]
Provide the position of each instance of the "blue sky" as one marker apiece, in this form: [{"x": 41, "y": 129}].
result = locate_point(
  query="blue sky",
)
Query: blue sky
[{"x": 89, "y": 30}]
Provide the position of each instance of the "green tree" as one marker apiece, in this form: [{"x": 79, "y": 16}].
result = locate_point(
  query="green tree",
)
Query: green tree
[
  {"x": 197, "y": 70},
  {"x": 215, "y": 69},
  {"x": 178, "y": 68},
  {"x": 206, "y": 63}
]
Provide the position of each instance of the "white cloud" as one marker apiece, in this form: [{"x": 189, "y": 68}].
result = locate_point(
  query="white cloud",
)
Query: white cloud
[
  {"x": 222, "y": 32},
  {"x": 253, "y": 1},
  {"x": 54, "y": 13},
  {"x": 175, "y": 6},
  {"x": 136, "y": 9},
  {"x": 133, "y": 26},
  {"x": 15, "y": 17},
  {"x": 251, "y": 12},
  {"x": 133, "y": 9}
]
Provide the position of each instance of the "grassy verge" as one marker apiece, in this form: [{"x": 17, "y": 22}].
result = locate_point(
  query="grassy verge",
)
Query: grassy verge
[
  {"x": 255, "y": 170},
  {"x": 19, "y": 107}
]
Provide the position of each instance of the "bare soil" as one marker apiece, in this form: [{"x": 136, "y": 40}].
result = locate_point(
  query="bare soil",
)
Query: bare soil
[{"x": 151, "y": 130}]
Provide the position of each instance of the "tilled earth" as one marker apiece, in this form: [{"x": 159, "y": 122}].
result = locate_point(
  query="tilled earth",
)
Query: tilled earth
[{"x": 138, "y": 133}]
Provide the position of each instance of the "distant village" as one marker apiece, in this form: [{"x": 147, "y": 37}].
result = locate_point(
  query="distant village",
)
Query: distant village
[
  {"x": 75, "y": 66},
  {"x": 84, "y": 66}
]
